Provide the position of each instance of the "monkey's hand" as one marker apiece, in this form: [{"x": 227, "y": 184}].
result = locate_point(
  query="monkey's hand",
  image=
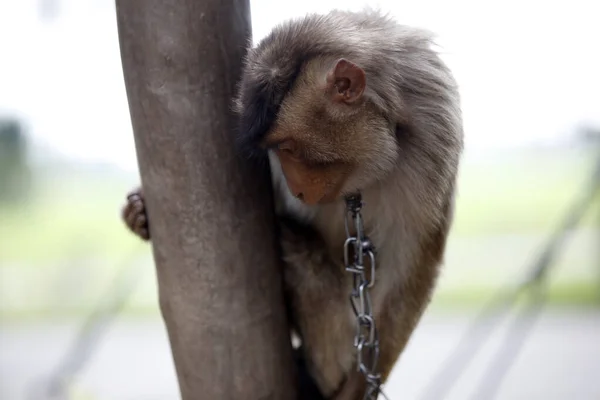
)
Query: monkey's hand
[{"x": 134, "y": 215}]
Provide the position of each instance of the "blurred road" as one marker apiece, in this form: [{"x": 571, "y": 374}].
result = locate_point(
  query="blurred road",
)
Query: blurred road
[{"x": 561, "y": 359}]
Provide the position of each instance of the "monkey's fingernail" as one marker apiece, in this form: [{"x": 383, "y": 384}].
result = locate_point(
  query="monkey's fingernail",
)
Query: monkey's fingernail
[{"x": 133, "y": 197}]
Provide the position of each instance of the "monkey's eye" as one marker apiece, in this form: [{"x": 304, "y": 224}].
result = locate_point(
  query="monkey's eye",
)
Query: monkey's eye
[{"x": 289, "y": 147}]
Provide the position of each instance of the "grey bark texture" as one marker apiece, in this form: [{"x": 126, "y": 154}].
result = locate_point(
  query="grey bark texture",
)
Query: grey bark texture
[{"x": 210, "y": 212}]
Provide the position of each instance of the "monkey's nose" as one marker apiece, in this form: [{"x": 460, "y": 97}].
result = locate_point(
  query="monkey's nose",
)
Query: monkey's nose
[{"x": 309, "y": 197}]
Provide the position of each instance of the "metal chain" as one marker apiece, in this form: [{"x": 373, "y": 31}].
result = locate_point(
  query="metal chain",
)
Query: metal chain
[{"x": 357, "y": 248}]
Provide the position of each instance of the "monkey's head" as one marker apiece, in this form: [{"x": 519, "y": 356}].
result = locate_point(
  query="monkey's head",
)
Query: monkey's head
[
  {"x": 342, "y": 100},
  {"x": 329, "y": 139}
]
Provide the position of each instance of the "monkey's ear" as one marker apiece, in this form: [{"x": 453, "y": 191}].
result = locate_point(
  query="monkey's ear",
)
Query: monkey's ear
[{"x": 346, "y": 82}]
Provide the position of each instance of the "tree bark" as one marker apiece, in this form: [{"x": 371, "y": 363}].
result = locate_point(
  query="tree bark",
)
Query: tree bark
[{"x": 210, "y": 213}]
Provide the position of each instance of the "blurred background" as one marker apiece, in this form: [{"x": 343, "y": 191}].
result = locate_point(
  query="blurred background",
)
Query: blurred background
[{"x": 79, "y": 316}]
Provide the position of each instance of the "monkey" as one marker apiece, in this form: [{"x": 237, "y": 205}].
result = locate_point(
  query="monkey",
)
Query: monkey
[{"x": 341, "y": 103}]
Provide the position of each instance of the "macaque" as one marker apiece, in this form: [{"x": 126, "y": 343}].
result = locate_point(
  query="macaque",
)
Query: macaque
[{"x": 348, "y": 103}]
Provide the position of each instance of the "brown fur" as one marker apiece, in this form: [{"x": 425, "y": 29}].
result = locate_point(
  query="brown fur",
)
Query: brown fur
[
  {"x": 402, "y": 145},
  {"x": 399, "y": 147}
]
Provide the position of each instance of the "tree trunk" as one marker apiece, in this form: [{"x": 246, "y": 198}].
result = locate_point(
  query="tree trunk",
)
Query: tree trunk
[{"x": 210, "y": 212}]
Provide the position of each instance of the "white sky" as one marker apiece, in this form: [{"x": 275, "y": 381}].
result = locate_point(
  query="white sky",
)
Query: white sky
[{"x": 528, "y": 70}]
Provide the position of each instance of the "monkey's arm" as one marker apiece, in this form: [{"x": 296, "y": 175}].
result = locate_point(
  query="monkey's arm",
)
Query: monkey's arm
[
  {"x": 395, "y": 322},
  {"x": 401, "y": 309}
]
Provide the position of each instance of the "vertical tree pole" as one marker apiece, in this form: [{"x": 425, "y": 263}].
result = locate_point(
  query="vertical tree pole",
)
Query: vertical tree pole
[{"x": 210, "y": 213}]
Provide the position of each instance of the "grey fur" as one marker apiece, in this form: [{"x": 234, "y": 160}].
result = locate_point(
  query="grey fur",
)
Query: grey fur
[{"x": 409, "y": 201}]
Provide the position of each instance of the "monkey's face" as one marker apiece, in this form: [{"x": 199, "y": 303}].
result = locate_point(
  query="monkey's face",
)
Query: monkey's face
[{"x": 329, "y": 140}]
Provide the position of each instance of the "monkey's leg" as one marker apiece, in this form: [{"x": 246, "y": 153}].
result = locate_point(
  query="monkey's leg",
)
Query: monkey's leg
[
  {"x": 317, "y": 290},
  {"x": 134, "y": 215}
]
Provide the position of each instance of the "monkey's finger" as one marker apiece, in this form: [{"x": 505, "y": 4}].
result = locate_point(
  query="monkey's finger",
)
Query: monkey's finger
[
  {"x": 130, "y": 217},
  {"x": 138, "y": 224},
  {"x": 140, "y": 221},
  {"x": 125, "y": 214},
  {"x": 134, "y": 202},
  {"x": 138, "y": 206}
]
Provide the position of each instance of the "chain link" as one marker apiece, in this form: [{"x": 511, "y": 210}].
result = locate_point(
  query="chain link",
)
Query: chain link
[{"x": 357, "y": 248}]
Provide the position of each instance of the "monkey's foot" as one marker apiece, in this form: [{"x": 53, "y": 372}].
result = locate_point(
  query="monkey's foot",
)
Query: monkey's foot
[{"x": 134, "y": 214}]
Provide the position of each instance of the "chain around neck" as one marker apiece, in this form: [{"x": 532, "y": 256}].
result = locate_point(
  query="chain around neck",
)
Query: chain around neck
[{"x": 357, "y": 248}]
